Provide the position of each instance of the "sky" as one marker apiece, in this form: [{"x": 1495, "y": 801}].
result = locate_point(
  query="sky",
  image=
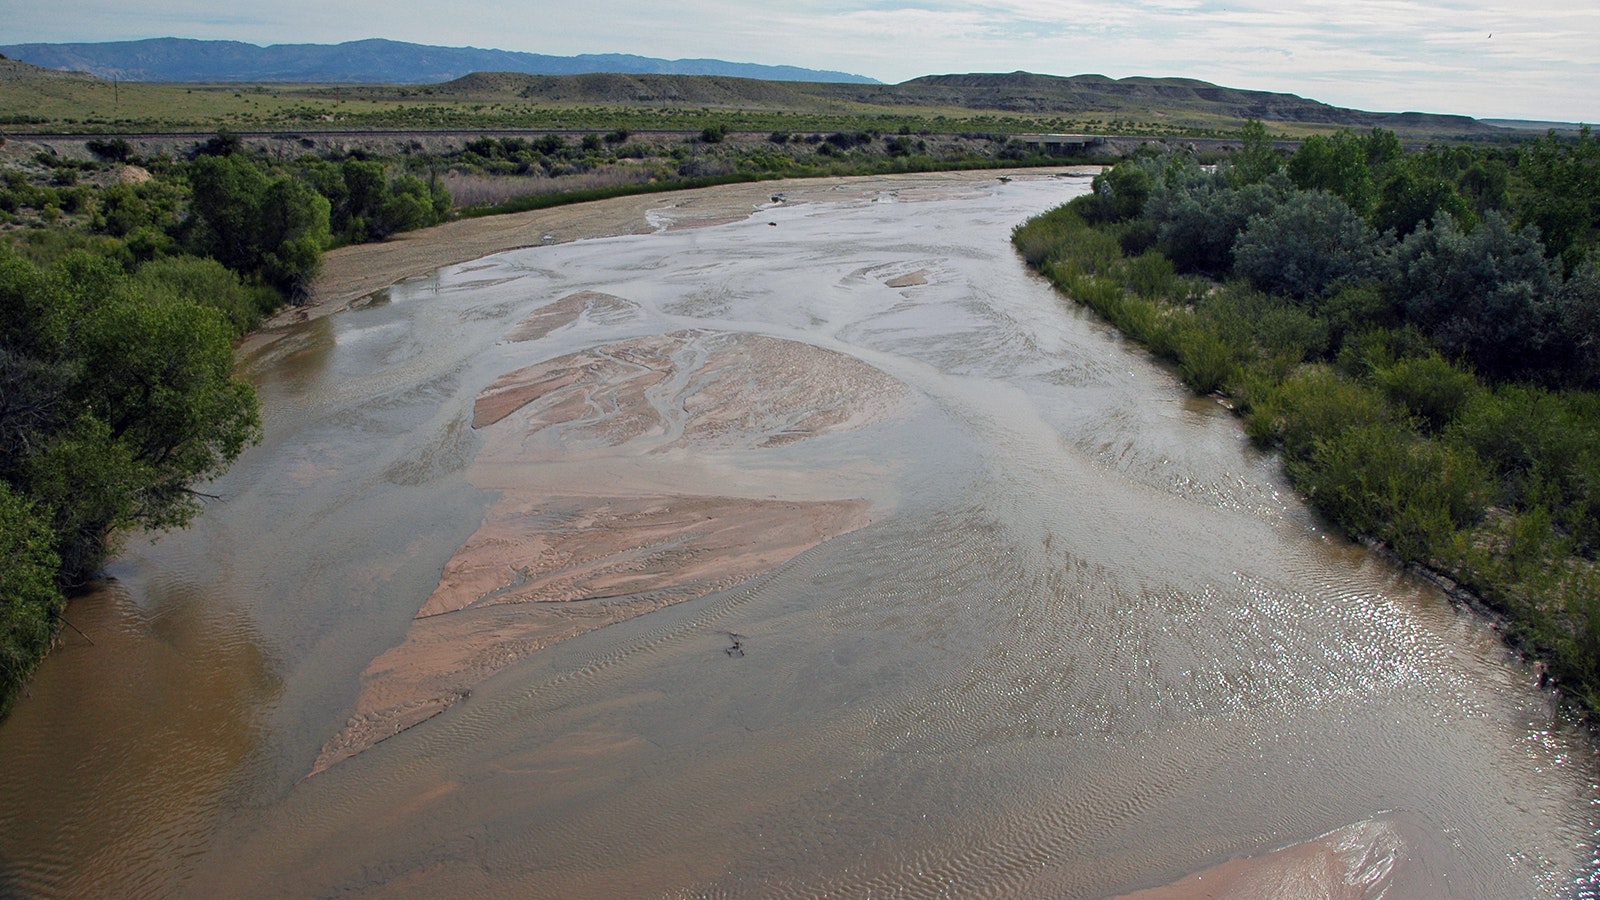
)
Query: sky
[{"x": 1484, "y": 58}]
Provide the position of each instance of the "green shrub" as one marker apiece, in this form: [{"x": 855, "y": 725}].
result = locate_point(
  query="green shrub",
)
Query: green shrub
[
  {"x": 1045, "y": 238},
  {"x": 29, "y": 598},
  {"x": 1433, "y": 389},
  {"x": 1289, "y": 334},
  {"x": 1205, "y": 360},
  {"x": 1383, "y": 479},
  {"x": 1307, "y": 246},
  {"x": 1486, "y": 295},
  {"x": 1315, "y": 404},
  {"x": 206, "y": 282},
  {"x": 1149, "y": 274},
  {"x": 1120, "y": 192}
]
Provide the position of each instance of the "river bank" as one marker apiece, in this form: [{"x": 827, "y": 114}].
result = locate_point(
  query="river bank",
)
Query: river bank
[
  {"x": 351, "y": 273},
  {"x": 1050, "y": 626},
  {"x": 1352, "y": 861}
]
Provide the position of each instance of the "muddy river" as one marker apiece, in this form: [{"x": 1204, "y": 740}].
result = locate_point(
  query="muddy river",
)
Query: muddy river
[{"x": 820, "y": 552}]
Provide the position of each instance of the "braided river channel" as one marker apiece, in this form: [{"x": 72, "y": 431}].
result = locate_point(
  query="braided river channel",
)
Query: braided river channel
[{"x": 819, "y": 549}]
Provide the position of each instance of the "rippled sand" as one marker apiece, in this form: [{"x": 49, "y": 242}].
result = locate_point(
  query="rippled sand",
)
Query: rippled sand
[
  {"x": 546, "y": 569},
  {"x": 1353, "y": 863},
  {"x": 543, "y": 570},
  {"x": 699, "y": 387}
]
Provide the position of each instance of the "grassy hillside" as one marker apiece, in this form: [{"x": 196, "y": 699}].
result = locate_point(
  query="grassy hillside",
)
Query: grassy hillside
[{"x": 40, "y": 100}]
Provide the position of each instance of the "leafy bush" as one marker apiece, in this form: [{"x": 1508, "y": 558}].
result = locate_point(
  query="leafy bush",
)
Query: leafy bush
[
  {"x": 1120, "y": 192},
  {"x": 1433, "y": 389},
  {"x": 29, "y": 598},
  {"x": 116, "y": 149},
  {"x": 1313, "y": 404},
  {"x": 1150, "y": 274},
  {"x": 1205, "y": 359},
  {"x": 1257, "y": 160},
  {"x": 206, "y": 282},
  {"x": 1575, "y": 353},
  {"x": 1486, "y": 296},
  {"x": 1198, "y": 216},
  {"x": 129, "y": 398},
  {"x": 1338, "y": 165},
  {"x": 272, "y": 227},
  {"x": 1381, "y": 478},
  {"x": 1308, "y": 246},
  {"x": 1546, "y": 447},
  {"x": 1412, "y": 199}
]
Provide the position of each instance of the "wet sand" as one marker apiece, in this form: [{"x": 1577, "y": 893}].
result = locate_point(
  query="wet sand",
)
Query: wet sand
[
  {"x": 700, "y": 387},
  {"x": 351, "y": 273},
  {"x": 1353, "y": 863},
  {"x": 545, "y": 569}
]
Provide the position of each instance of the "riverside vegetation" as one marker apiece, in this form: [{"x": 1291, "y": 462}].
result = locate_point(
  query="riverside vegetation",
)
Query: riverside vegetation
[
  {"x": 1418, "y": 334},
  {"x": 119, "y": 305}
]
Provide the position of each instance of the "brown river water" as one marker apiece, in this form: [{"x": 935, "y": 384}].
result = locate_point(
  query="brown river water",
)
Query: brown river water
[{"x": 824, "y": 552}]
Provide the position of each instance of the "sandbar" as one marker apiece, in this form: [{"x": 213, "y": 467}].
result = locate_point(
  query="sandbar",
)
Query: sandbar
[
  {"x": 542, "y": 570},
  {"x": 701, "y": 387},
  {"x": 548, "y": 565},
  {"x": 350, "y": 273},
  {"x": 1356, "y": 862}
]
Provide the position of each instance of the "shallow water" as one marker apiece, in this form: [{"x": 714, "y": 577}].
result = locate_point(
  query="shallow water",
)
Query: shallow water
[{"x": 1090, "y": 643}]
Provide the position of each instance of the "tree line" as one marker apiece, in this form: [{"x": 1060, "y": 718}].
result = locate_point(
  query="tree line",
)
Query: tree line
[{"x": 1418, "y": 334}]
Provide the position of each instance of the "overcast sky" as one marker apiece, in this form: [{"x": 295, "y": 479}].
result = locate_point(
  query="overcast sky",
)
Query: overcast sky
[{"x": 1538, "y": 59}]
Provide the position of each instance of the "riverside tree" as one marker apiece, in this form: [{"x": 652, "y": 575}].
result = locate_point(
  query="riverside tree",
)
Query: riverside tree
[
  {"x": 115, "y": 400},
  {"x": 269, "y": 227}
]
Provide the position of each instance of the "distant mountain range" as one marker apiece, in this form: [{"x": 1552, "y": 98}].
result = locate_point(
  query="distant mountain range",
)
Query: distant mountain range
[
  {"x": 390, "y": 69},
  {"x": 1180, "y": 101},
  {"x": 1027, "y": 93},
  {"x": 373, "y": 61}
]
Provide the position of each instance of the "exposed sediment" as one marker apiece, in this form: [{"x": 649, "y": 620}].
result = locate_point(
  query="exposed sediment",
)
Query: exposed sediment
[
  {"x": 567, "y": 310},
  {"x": 702, "y": 387},
  {"x": 1353, "y": 863},
  {"x": 543, "y": 569}
]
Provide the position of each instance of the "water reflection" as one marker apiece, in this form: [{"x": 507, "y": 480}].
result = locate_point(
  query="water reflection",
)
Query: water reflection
[{"x": 131, "y": 745}]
